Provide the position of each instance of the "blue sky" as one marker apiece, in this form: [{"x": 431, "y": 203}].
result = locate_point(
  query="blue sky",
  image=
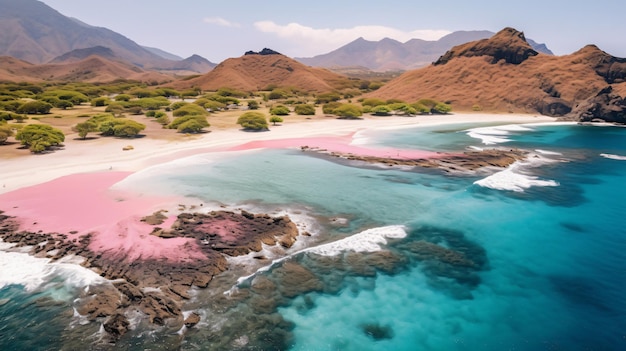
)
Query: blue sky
[{"x": 218, "y": 30}]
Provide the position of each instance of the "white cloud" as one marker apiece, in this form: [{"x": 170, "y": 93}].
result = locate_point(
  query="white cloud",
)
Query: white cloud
[
  {"x": 322, "y": 40},
  {"x": 221, "y": 22}
]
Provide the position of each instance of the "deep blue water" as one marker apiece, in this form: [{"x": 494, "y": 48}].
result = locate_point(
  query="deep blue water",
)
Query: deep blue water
[{"x": 480, "y": 268}]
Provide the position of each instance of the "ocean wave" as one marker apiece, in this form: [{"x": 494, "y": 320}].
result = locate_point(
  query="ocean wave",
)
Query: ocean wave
[
  {"x": 614, "y": 157},
  {"x": 495, "y": 135},
  {"x": 366, "y": 241},
  {"x": 513, "y": 180},
  {"x": 35, "y": 273}
]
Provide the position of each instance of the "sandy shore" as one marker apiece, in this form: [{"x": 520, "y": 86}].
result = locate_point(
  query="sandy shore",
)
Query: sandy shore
[
  {"x": 104, "y": 154},
  {"x": 70, "y": 191}
]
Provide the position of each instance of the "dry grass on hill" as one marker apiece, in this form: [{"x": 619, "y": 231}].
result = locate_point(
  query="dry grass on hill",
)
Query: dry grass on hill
[
  {"x": 257, "y": 72},
  {"x": 472, "y": 81}
]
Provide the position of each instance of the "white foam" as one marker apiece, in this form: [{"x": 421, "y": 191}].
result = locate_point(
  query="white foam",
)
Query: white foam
[
  {"x": 366, "y": 241},
  {"x": 614, "y": 157},
  {"x": 34, "y": 272},
  {"x": 547, "y": 152},
  {"x": 495, "y": 135},
  {"x": 513, "y": 179}
]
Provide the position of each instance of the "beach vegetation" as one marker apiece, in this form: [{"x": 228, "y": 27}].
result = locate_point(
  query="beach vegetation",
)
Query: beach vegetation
[
  {"x": 189, "y": 124},
  {"x": 101, "y": 101},
  {"x": 348, "y": 111},
  {"x": 74, "y": 97},
  {"x": 40, "y": 137},
  {"x": 163, "y": 119},
  {"x": 193, "y": 92},
  {"x": 325, "y": 98},
  {"x": 120, "y": 127},
  {"x": 231, "y": 92},
  {"x": 253, "y": 120},
  {"x": 420, "y": 108},
  {"x": 178, "y": 104},
  {"x": 373, "y": 102},
  {"x": 151, "y": 103},
  {"x": 253, "y": 105},
  {"x": 8, "y": 115},
  {"x": 190, "y": 109},
  {"x": 276, "y": 119},
  {"x": 381, "y": 110},
  {"x": 116, "y": 108},
  {"x": 441, "y": 108},
  {"x": 304, "y": 109},
  {"x": 6, "y": 131},
  {"x": 279, "y": 110},
  {"x": 35, "y": 107},
  {"x": 85, "y": 128},
  {"x": 141, "y": 92},
  {"x": 278, "y": 93},
  {"x": 329, "y": 108},
  {"x": 122, "y": 97},
  {"x": 12, "y": 105},
  {"x": 212, "y": 105},
  {"x": 167, "y": 92}
]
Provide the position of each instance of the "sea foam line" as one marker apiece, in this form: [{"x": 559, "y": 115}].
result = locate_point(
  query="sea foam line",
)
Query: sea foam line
[
  {"x": 365, "y": 241},
  {"x": 614, "y": 157},
  {"x": 497, "y": 134},
  {"x": 511, "y": 179},
  {"x": 33, "y": 273}
]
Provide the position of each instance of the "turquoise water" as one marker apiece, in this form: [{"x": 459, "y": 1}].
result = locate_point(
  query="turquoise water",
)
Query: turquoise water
[{"x": 479, "y": 269}]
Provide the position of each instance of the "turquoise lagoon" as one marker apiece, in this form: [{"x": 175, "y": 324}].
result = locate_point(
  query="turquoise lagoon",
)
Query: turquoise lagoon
[{"x": 529, "y": 258}]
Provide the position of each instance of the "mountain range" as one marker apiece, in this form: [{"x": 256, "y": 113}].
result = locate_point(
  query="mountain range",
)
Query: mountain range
[
  {"x": 504, "y": 72},
  {"x": 34, "y": 32},
  {"x": 392, "y": 55}
]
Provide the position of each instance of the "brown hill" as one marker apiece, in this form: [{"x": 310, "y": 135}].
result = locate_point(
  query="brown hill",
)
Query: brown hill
[
  {"x": 254, "y": 72},
  {"x": 505, "y": 74},
  {"x": 93, "y": 69}
]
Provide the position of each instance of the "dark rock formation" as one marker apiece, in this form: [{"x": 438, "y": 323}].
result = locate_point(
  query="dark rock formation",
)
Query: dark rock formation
[
  {"x": 605, "y": 106},
  {"x": 469, "y": 161},
  {"x": 554, "y": 106},
  {"x": 192, "y": 320},
  {"x": 265, "y": 51},
  {"x": 508, "y": 44},
  {"x": 217, "y": 233}
]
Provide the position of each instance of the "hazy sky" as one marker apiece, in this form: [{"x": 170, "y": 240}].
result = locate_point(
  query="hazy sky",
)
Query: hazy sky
[{"x": 221, "y": 29}]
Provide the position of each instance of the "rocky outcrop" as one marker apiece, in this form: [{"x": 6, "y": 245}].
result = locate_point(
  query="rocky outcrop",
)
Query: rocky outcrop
[
  {"x": 158, "y": 288},
  {"x": 265, "y": 51},
  {"x": 508, "y": 44},
  {"x": 469, "y": 161},
  {"x": 606, "y": 106}
]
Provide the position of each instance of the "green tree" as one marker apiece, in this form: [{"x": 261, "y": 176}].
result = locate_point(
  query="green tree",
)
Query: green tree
[
  {"x": 304, "y": 109},
  {"x": 325, "y": 98},
  {"x": 190, "y": 109},
  {"x": 101, "y": 101},
  {"x": 189, "y": 124},
  {"x": 381, "y": 110},
  {"x": 329, "y": 108},
  {"x": 40, "y": 137},
  {"x": 253, "y": 121},
  {"x": 441, "y": 108},
  {"x": 5, "y": 132},
  {"x": 35, "y": 107},
  {"x": 120, "y": 127},
  {"x": 64, "y": 104},
  {"x": 163, "y": 119},
  {"x": 85, "y": 128},
  {"x": 280, "y": 110},
  {"x": 276, "y": 119},
  {"x": 348, "y": 111},
  {"x": 373, "y": 102},
  {"x": 253, "y": 105},
  {"x": 122, "y": 97}
]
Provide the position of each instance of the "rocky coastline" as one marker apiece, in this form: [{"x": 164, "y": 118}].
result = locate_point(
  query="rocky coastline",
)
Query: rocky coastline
[
  {"x": 156, "y": 288},
  {"x": 466, "y": 162}
]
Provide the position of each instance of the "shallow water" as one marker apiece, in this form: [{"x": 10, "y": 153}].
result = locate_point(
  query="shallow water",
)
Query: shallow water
[{"x": 480, "y": 268}]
